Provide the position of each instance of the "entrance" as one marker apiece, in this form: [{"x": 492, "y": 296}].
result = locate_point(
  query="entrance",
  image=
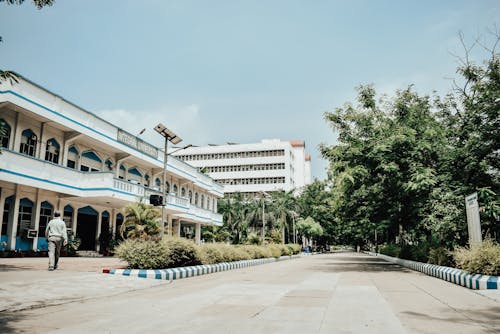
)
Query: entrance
[{"x": 86, "y": 228}]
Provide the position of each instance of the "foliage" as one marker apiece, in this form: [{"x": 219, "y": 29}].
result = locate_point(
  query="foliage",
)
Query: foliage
[
  {"x": 294, "y": 248},
  {"x": 390, "y": 250},
  {"x": 253, "y": 239},
  {"x": 144, "y": 254},
  {"x": 141, "y": 221},
  {"x": 481, "y": 258},
  {"x": 309, "y": 228},
  {"x": 72, "y": 245},
  {"x": 441, "y": 256},
  {"x": 182, "y": 252},
  {"x": 275, "y": 236},
  {"x": 38, "y": 3}
]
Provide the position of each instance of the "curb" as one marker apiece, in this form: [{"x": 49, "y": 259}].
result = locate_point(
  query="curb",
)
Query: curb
[
  {"x": 452, "y": 275},
  {"x": 185, "y": 272}
]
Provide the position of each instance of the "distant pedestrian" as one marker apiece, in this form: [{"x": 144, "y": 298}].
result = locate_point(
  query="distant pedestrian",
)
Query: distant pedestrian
[{"x": 56, "y": 237}]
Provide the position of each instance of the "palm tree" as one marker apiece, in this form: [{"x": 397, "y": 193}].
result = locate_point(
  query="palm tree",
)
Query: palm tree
[
  {"x": 283, "y": 208},
  {"x": 141, "y": 221}
]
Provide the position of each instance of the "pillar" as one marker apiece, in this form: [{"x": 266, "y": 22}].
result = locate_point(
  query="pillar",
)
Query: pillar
[
  {"x": 12, "y": 225},
  {"x": 169, "y": 221},
  {"x": 36, "y": 217},
  {"x": 74, "y": 220},
  {"x": 198, "y": 233},
  {"x": 98, "y": 232},
  {"x": 112, "y": 221},
  {"x": 178, "y": 228}
]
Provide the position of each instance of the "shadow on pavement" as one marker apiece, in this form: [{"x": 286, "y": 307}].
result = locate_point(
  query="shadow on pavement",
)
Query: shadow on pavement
[
  {"x": 11, "y": 267},
  {"x": 356, "y": 263},
  {"x": 488, "y": 318},
  {"x": 8, "y": 318}
]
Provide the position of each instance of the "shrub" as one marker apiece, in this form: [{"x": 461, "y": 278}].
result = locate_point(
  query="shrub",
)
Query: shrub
[
  {"x": 274, "y": 249},
  {"x": 143, "y": 254},
  {"x": 256, "y": 252},
  {"x": 276, "y": 236},
  {"x": 254, "y": 239},
  {"x": 294, "y": 248},
  {"x": 390, "y": 250},
  {"x": 182, "y": 252},
  {"x": 211, "y": 253},
  {"x": 441, "y": 256},
  {"x": 481, "y": 258}
]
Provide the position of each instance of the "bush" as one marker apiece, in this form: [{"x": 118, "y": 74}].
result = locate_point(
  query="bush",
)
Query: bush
[
  {"x": 390, "y": 250},
  {"x": 441, "y": 256},
  {"x": 274, "y": 249},
  {"x": 256, "y": 252},
  {"x": 294, "y": 248},
  {"x": 182, "y": 252},
  {"x": 211, "y": 253},
  {"x": 254, "y": 239},
  {"x": 143, "y": 254},
  {"x": 479, "y": 258}
]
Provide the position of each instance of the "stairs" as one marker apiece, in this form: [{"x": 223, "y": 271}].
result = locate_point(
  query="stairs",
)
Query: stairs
[{"x": 88, "y": 253}]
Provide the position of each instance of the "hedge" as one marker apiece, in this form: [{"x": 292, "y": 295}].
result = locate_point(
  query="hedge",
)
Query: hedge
[{"x": 178, "y": 252}]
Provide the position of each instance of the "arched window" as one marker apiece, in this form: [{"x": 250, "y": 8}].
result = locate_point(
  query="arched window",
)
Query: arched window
[
  {"x": 196, "y": 199},
  {"x": 72, "y": 157},
  {"x": 146, "y": 179},
  {"x": 190, "y": 195},
  {"x": 208, "y": 203},
  {"x": 46, "y": 210},
  {"x": 121, "y": 172},
  {"x": 68, "y": 215},
  {"x": 28, "y": 142},
  {"x": 167, "y": 187},
  {"x": 109, "y": 164},
  {"x": 119, "y": 222},
  {"x": 176, "y": 190},
  {"x": 203, "y": 201},
  {"x": 4, "y": 134},
  {"x": 157, "y": 184},
  {"x": 183, "y": 192},
  {"x": 25, "y": 215},
  {"x": 134, "y": 175},
  {"x": 90, "y": 162},
  {"x": 52, "y": 151}
]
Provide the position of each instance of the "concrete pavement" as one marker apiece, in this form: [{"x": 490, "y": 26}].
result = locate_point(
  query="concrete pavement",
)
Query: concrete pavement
[{"x": 334, "y": 293}]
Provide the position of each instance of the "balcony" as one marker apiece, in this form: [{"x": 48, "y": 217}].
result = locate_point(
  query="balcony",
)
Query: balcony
[{"x": 26, "y": 170}]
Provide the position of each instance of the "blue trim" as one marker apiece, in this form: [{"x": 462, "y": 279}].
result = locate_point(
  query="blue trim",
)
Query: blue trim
[
  {"x": 135, "y": 171},
  {"x": 91, "y": 155},
  {"x": 68, "y": 208},
  {"x": 47, "y": 205},
  {"x": 62, "y": 184},
  {"x": 73, "y": 149},
  {"x": 492, "y": 283}
]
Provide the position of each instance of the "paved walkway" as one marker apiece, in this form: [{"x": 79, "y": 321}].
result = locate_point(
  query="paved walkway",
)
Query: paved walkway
[{"x": 335, "y": 293}]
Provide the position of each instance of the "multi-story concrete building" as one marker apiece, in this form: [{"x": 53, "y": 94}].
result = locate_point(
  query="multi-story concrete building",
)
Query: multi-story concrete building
[
  {"x": 56, "y": 155},
  {"x": 271, "y": 165}
]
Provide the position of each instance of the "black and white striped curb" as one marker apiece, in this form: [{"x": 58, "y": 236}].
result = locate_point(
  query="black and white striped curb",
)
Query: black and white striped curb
[
  {"x": 184, "y": 272},
  {"x": 453, "y": 275}
]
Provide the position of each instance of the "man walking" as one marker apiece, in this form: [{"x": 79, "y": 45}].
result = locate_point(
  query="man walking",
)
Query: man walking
[{"x": 56, "y": 237}]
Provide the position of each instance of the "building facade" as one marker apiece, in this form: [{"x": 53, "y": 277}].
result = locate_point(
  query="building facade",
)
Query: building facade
[
  {"x": 57, "y": 156},
  {"x": 271, "y": 165}
]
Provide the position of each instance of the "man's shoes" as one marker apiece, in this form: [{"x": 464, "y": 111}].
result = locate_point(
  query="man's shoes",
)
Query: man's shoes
[
  {"x": 51, "y": 268},
  {"x": 55, "y": 267}
]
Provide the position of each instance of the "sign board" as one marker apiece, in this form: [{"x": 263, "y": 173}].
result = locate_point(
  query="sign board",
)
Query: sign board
[
  {"x": 137, "y": 143},
  {"x": 32, "y": 234},
  {"x": 473, "y": 221}
]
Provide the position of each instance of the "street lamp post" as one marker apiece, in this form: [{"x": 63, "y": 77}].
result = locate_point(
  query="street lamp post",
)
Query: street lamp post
[
  {"x": 263, "y": 219},
  {"x": 174, "y": 139}
]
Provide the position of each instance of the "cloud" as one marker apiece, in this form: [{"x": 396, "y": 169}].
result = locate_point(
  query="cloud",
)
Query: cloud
[{"x": 185, "y": 120}]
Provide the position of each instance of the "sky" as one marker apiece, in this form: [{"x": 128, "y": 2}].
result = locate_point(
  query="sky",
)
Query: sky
[{"x": 237, "y": 71}]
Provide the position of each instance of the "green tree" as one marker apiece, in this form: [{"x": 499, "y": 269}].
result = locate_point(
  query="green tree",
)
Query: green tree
[{"x": 141, "y": 221}]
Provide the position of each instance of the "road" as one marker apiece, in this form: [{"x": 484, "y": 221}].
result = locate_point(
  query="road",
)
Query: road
[{"x": 331, "y": 293}]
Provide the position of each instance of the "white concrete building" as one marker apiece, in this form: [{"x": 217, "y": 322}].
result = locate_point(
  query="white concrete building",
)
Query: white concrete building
[
  {"x": 271, "y": 165},
  {"x": 58, "y": 156}
]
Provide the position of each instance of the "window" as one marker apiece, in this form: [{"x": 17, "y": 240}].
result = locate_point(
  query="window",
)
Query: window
[
  {"x": 121, "y": 172},
  {"x": 203, "y": 201},
  {"x": 28, "y": 143},
  {"x": 68, "y": 215},
  {"x": 72, "y": 157},
  {"x": 109, "y": 164},
  {"x": 52, "y": 151},
  {"x": 183, "y": 192},
  {"x": 90, "y": 162},
  {"x": 190, "y": 195},
  {"x": 6, "y": 209},
  {"x": 196, "y": 199},
  {"x": 167, "y": 187},
  {"x": 45, "y": 216},
  {"x": 176, "y": 190},
  {"x": 5, "y": 134},
  {"x": 25, "y": 213}
]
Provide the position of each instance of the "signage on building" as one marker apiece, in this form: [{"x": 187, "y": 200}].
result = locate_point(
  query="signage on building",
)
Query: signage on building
[
  {"x": 473, "y": 222},
  {"x": 137, "y": 143}
]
